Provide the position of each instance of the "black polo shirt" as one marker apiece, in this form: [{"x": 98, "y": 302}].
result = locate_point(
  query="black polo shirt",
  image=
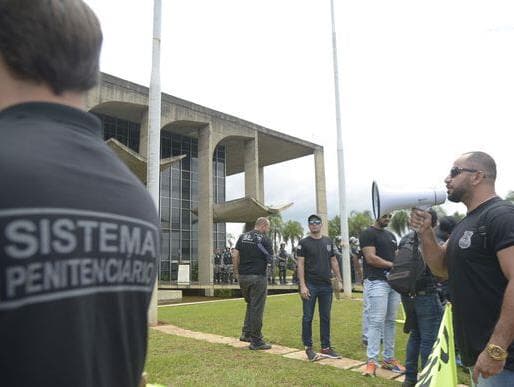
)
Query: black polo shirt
[
  {"x": 385, "y": 245},
  {"x": 252, "y": 259},
  {"x": 79, "y": 237},
  {"x": 476, "y": 282}
]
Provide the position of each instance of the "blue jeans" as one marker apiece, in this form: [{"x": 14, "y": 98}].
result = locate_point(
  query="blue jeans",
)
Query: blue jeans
[
  {"x": 427, "y": 313},
  {"x": 365, "y": 312},
  {"x": 322, "y": 293},
  {"x": 254, "y": 289},
  {"x": 383, "y": 304},
  {"x": 503, "y": 379}
]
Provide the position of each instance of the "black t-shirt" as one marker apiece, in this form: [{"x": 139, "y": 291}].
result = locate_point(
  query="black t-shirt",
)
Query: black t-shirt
[
  {"x": 476, "y": 282},
  {"x": 317, "y": 254},
  {"x": 384, "y": 242},
  {"x": 79, "y": 237},
  {"x": 252, "y": 259}
]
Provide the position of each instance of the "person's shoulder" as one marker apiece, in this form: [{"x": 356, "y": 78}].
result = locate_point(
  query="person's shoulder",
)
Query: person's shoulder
[{"x": 497, "y": 210}]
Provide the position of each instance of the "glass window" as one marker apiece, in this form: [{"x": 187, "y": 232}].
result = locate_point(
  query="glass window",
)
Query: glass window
[{"x": 175, "y": 219}]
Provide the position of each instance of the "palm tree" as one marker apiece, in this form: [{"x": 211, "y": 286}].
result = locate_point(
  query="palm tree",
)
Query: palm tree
[
  {"x": 292, "y": 231},
  {"x": 400, "y": 222},
  {"x": 276, "y": 229}
]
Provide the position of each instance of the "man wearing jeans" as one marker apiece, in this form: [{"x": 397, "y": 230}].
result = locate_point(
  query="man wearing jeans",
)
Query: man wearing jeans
[
  {"x": 423, "y": 311},
  {"x": 250, "y": 258},
  {"x": 316, "y": 260},
  {"x": 379, "y": 248}
]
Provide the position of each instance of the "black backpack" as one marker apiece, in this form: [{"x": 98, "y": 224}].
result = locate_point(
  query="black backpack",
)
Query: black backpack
[{"x": 408, "y": 266}]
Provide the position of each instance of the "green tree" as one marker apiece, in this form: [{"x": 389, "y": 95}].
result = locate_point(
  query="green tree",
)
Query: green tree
[
  {"x": 334, "y": 227},
  {"x": 510, "y": 196},
  {"x": 276, "y": 229},
  {"x": 357, "y": 222},
  {"x": 400, "y": 222},
  {"x": 458, "y": 216},
  {"x": 292, "y": 231}
]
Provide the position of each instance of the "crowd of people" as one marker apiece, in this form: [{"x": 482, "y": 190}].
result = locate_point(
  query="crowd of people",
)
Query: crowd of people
[
  {"x": 73, "y": 304},
  {"x": 468, "y": 263}
]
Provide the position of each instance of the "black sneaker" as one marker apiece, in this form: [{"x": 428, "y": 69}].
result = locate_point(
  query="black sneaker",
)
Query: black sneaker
[
  {"x": 311, "y": 355},
  {"x": 259, "y": 345},
  {"x": 246, "y": 339},
  {"x": 330, "y": 353}
]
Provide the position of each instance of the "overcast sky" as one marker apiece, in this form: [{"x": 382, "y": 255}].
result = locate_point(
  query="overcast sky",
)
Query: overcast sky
[{"x": 420, "y": 81}]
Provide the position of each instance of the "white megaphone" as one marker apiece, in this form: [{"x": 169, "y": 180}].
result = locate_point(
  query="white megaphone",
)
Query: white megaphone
[{"x": 385, "y": 201}]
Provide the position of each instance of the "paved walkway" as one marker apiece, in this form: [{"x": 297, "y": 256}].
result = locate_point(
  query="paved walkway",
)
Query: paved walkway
[{"x": 292, "y": 353}]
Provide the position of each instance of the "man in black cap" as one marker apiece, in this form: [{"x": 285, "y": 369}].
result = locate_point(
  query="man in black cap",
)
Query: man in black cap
[{"x": 316, "y": 263}]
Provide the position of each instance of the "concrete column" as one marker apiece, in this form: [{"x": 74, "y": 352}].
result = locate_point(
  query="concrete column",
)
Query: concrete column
[
  {"x": 251, "y": 165},
  {"x": 321, "y": 188},
  {"x": 261, "y": 185},
  {"x": 205, "y": 210},
  {"x": 143, "y": 134}
]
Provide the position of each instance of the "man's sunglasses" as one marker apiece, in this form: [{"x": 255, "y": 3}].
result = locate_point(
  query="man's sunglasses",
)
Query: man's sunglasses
[
  {"x": 314, "y": 221},
  {"x": 456, "y": 171}
]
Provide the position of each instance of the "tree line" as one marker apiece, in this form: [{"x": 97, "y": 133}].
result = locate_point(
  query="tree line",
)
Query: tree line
[{"x": 292, "y": 230}]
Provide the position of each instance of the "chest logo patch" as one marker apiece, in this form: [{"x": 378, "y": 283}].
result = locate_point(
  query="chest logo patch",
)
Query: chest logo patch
[
  {"x": 329, "y": 248},
  {"x": 465, "y": 239}
]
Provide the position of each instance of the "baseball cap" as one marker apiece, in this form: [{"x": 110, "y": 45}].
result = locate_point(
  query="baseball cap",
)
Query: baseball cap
[{"x": 313, "y": 216}]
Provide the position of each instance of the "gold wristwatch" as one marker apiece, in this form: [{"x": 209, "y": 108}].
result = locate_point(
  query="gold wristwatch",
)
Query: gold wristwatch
[{"x": 496, "y": 352}]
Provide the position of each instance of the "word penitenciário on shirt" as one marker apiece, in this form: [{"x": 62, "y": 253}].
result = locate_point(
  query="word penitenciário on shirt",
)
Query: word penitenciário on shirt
[{"x": 51, "y": 253}]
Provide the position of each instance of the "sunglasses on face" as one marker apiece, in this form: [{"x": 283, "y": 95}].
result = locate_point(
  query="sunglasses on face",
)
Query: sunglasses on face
[
  {"x": 314, "y": 221},
  {"x": 456, "y": 171}
]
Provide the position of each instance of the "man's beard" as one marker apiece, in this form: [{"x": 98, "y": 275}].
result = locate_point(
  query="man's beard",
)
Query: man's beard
[{"x": 456, "y": 195}]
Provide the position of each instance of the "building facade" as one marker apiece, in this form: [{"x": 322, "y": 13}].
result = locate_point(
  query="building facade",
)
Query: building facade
[{"x": 213, "y": 145}]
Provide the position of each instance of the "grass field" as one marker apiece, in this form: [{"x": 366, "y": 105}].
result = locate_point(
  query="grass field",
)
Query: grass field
[{"x": 180, "y": 361}]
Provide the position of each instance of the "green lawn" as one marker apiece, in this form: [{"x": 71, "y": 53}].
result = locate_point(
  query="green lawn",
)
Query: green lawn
[
  {"x": 282, "y": 322},
  {"x": 180, "y": 361}
]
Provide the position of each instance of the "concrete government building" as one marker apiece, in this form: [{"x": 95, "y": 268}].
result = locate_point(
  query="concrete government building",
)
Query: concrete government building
[{"x": 200, "y": 147}]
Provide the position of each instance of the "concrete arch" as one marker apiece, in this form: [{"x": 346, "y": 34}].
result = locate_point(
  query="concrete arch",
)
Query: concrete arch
[
  {"x": 119, "y": 109},
  {"x": 184, "y": 127}
]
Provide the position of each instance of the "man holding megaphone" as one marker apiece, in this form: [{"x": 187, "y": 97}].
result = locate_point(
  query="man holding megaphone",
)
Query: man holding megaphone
[{"x": 478, "y": 260}]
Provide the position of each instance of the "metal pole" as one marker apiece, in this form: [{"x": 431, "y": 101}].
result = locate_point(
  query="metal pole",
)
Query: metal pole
[
  {"x": 347, "y": 278},
  {"x": 154, "y": 135}
]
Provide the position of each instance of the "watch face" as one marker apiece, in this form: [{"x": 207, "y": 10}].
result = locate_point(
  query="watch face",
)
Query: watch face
[{"x": 496, "y": 352}]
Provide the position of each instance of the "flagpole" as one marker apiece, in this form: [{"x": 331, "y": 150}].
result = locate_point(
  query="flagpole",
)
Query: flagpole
[
  {"x": 154, "y": 136},
  {"x": 345, "y": 245}
]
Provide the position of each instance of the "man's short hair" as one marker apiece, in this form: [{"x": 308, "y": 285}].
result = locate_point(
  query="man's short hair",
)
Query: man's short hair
[
  {"x": 262, "y": 221},
  {"x": 56, "y": 42},
  {"x": 483, "y": 162}
]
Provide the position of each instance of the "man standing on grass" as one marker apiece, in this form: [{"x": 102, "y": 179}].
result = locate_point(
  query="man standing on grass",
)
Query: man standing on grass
[
  {"x": 316, "y": 261},
  {"x": 250, "y": 259}
]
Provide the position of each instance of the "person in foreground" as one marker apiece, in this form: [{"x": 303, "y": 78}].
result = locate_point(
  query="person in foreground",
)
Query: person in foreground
[
  {"x": 316, "y": 263},
  {"x": 250, "y": 259},
  {"x": 79, "y": 233},
  {"x": 478, "y": 260}
]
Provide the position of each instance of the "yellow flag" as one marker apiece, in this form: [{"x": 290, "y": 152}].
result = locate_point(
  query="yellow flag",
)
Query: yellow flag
[{"x": 441, "y": 369}]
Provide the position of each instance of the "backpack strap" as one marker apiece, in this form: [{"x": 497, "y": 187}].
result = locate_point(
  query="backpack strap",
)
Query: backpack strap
[{"x": 483, "y": 220}]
